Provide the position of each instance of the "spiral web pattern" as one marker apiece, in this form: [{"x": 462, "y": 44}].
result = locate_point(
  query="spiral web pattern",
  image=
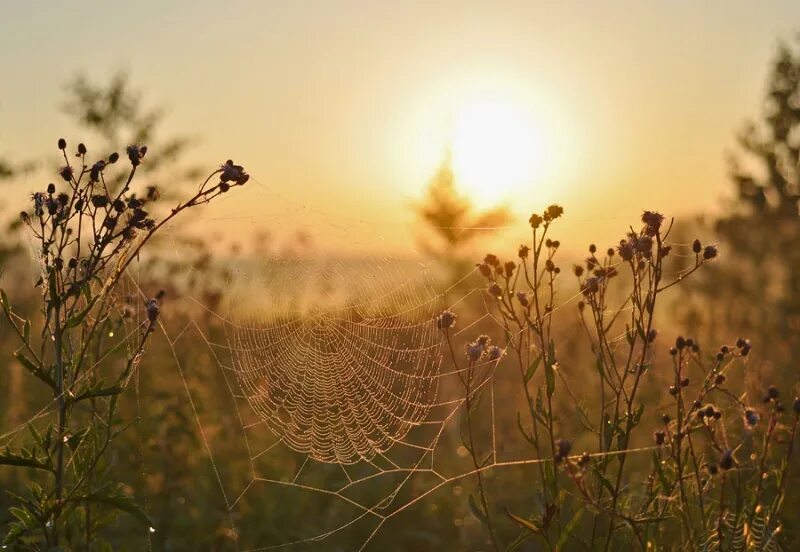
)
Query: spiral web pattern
[{"x": 349, "y": 377}]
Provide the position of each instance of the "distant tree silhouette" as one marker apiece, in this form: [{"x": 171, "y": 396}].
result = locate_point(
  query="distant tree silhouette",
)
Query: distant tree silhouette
[
  {"x": 756, "y": 286},
  {"x": 116, "y": 112},
  {"x": 453, "y": 222}
]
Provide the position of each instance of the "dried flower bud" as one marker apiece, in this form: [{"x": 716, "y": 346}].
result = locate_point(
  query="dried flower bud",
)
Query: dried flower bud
[
  {"x": 62, "y": 144},
  {"x": 578, "y": 270},
  {"x": 81, "y": 149},
  {"x": 592, "y": 249},
  {"x": 446, "y": 320},
  {"x": 697, "y": 247},
  {"x": 522, "y": 297},
  {"x": 113, "y": 158},
  {"x": 660, "y": 437},
  {"x": 726, "y": 460},
  {"x": 494, "y": 353},
  {"x": 709, "y": 252},
  {"x": 51, "y": 188},
  {"x": 563, "y": 447},
  {"x": 510, "y": 266},
  {"x": 535, "y": 221},
  {"x": 152, "y": 310},
  {"x": 474, "y": 352},
  {"x": 523, "y": 251},
  {"x": 495, "y": 290},
  {"x": 751, "y": 417},
  {"x": 719, "y": 379}
]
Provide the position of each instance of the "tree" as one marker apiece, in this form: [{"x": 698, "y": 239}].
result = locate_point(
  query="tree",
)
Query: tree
[
  {"x": 755, "y": 289},
  {"x": 453, "y": 221}
]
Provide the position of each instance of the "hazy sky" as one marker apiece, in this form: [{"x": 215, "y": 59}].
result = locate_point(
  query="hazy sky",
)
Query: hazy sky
[{"x": 342, "y": 110}]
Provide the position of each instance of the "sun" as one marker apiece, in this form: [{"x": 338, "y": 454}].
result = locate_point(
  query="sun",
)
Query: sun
[{"x": 496, "y": 149}]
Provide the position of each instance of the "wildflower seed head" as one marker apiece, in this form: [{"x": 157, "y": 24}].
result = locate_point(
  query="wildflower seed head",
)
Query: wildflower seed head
[
  {"x": 113, "y": 158},
  {"x": 659, "y": 437},
  {"x": 231, "y": 172},
  {"x": 665, "y": 418},
  {"x": 491, "y": 259},
  {"x": 535, "y": 221},
  {"x": 94, "y": 172},
  {"x": 474, "y": 352},
  {"x": 99, "y": 200},
  {"x": 697, "y": 247},
  {"x": 685, "y": 382},
  {"x": 610, "y": 252},
  {"x": 494, "y": 353},
  {"x": 522, "y": 297},
  {"x": 626, "y": 250},
  {"x": 590, "y": 286},
  {"x": 81, "y": 149},
  {"x": 592, "y": 249},
  {"x": 673, "y": 351},
  {"x": 578, "y": 270},
  {"x": 553, "y": 212},
  {"x": 652, "y": 334},
  {"x": 719, "y": 379},
  {"x": 523, "y": 252},
  {"x": 510, "y": 266},
  {"x": 62, "y": 144},
  {"x": 446, "y": 320},
  {"x": 680, "y": 342},
  {"x": 495, "y": 290},
  {"x": 709, "y": 252},
  {"x": 483, "y": 340},
  {"x": 652, "y": 221},
  {"x": 66, "y": 173},
  {"x": 673, "y": 390},
  {"x": 135, "y": 154}
]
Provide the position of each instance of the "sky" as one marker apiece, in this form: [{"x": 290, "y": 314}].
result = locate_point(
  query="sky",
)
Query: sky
[{"x": 342, "y": 110}]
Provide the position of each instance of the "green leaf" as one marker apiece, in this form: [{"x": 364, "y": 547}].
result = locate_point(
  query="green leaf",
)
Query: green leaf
[
  {"x": 24, "y": 516},
  {"x": 97, "y": 391},
  {"x": 24, "y": 459},
  {"x": 529, "y": 525},
  {"x": 476, "y": 510},
  {"x": 34, "y": 369},
  {"x": 662, "y": 477},
  {"x": 4, "y": 301},
  {"x": 568, "y": 529},
  {"x": 120, "y": 502},
  {"x": 78, "y": 318},
  {"x": 549, "y": 371},
  {"x": 532, "y": 368}
]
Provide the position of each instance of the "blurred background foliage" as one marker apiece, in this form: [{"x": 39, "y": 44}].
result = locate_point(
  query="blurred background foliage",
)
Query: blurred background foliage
[{"x": 753, "y": 291}]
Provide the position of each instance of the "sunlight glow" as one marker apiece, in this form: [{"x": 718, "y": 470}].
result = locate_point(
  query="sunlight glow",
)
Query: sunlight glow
[{"x": 496, "y": 149}]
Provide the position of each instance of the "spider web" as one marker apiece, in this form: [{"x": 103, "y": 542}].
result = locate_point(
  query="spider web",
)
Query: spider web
[
  {"x": 341, "y": 387},
  {"x": 344, "y": 391}
]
